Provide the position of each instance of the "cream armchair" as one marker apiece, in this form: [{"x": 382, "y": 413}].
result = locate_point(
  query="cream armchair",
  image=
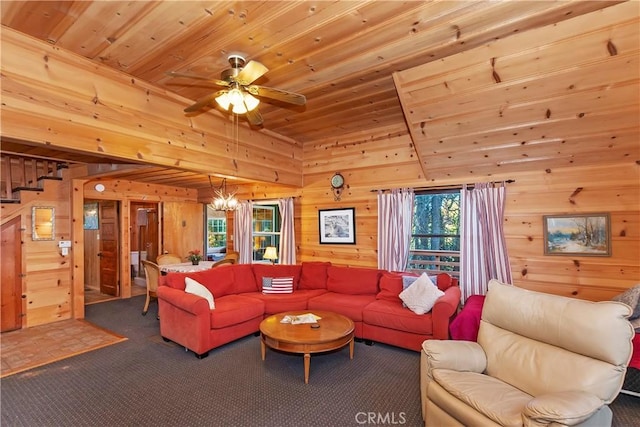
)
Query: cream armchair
[{"x": 540, "y": 360}]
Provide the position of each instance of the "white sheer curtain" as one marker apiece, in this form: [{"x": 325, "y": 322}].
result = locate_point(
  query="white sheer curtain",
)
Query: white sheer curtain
[
  {"x": 287, "y": 250},
  {"x": 243, "y": 231},
  {"x": 395, "y": 215},
  {"x": 483, "y": 251}
]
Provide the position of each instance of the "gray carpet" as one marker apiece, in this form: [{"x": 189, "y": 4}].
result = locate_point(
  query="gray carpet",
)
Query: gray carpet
[{"x": 146, "y": 381}]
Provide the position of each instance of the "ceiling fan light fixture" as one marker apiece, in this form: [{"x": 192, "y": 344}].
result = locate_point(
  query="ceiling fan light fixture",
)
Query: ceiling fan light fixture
[
  {"x": 251, "y": 101},
  {"x": 235, "y": 97},
  {"x": 239, "y": 108},
  {"x": 241, "y": 102},
  {"x": 223, "y": 101}
]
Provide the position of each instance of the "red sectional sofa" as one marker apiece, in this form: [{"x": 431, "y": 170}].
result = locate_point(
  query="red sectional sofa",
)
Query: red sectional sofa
[{"x": 367, "y": 296}]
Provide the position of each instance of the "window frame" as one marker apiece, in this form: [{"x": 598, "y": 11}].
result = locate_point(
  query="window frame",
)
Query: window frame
[
  {"x": 437, "y": 260},
  {"x": 269, "y": 236}
]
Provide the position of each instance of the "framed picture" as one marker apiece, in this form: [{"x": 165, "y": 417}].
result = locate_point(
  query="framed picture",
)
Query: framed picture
[
  {"x": 91, "y": 216},
  {"x": 337, "y": 226},
  {"x": 577, "y": 234}
]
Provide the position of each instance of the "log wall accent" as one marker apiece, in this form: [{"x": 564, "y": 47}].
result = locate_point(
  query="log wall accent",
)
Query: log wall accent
[{"x": 94, "y": 109}]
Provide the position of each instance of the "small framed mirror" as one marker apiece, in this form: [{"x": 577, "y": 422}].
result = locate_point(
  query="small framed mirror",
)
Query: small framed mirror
[{"x": 42, "y": 223}]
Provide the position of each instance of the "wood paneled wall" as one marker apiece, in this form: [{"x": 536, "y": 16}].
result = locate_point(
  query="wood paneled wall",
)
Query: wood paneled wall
[
  {"x": 389, "y": 164},
  {"x": 54, "y": 284},
  {"x": 183, "y": 227},
  {"x": 612, "y": 189},
  {"x": 47, "y": 280},
  {"x": 126, "y": 192},
  {"x": 92, "y": 108}
]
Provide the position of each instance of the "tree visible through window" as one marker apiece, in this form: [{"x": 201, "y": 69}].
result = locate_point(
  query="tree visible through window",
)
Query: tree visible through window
[
  {"x": 435, "y": 239},
  {"x": 216, "y": 228},
  {"x": 266, "y": 229}
]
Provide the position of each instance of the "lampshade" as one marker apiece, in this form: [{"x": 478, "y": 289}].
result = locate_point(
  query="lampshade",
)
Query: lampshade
[
  {"x": 270, "y": 253},
  {"x": 241, "y": 101}
]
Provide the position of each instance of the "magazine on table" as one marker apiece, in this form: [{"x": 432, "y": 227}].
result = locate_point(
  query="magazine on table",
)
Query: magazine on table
[{"x": 300, "y": 318}]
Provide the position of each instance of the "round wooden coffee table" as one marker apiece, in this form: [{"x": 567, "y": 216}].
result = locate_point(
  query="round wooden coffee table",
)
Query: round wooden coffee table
[{"x": 335, "y": 332}]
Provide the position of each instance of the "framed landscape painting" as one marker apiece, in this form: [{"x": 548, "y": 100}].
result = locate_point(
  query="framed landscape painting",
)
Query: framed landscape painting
[
  {"x": 337, "y": 226},
  {"x": 577, "y": 234}
]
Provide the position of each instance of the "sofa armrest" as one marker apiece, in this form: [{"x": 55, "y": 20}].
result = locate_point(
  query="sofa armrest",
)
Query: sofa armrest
[
  {"x": 184, "y": 319},
  {"x": 444, "y": 308},
  {"x": 455, "y": 355},
  {"x": 564, "y": 408},
  {"x": 181, "y": 300}
]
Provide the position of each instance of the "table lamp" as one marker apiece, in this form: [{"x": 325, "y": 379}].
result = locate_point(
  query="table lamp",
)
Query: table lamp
[{"x": 271, "y": 254}]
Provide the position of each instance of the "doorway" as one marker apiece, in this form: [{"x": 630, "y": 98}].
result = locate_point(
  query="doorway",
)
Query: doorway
[
  {"x": 144, "y": 238},
  {"x": 11, "y": 299},
  {"x": 101, "y": 250}
]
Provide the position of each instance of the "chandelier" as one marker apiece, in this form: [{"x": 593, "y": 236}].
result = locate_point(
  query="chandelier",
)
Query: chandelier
[
  {"x": 241, "y": 101},
  {"x": 223, "y": 201}
]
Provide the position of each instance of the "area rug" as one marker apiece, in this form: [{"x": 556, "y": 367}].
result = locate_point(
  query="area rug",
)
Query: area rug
[{"x": 32, "y": 347}]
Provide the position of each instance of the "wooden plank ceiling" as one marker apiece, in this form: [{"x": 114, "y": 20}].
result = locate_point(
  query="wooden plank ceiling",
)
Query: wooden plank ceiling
[{"x": 341, "y": 55}]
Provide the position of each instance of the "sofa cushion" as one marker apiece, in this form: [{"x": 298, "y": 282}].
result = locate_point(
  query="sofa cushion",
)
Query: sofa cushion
[
  {"x": 313, "y": 275},
  {"x": 353, "y": 280},
  {"x": 350, "y": 306},
  {"x": 421, "y": 295},
  {"x": 245, "y": 280},
  {"x": 277, "y": 285},
  {"x": 278, "y": 270},
  {"x": 408, "y": 279},
  {"x": 444, "y": 281},
  {"x": 392, "y": 315},
  {"x": 234, "y": 309},
  {"x": 196, "y": 288},
  {"x": 631, "y": 297},
  {"x": 390, "y": 286},
  {"x": 295, "y": 301},
  {"x": 219, "y": 281}
]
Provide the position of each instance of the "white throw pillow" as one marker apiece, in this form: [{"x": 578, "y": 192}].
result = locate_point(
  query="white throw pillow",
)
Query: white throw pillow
[
  {"x": 421, "y": 295},
  {"x": 197, "y": 288}
]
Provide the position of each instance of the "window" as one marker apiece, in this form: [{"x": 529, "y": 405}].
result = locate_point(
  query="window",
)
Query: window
[
  {"x": 435, "y": 239},
  {"x": 216, "y": 229},
  {"x": 266, "y": 229}
]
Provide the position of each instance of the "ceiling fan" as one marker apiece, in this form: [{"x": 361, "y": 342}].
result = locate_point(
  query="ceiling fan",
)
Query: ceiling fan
[{"x": 238, "y": 95}]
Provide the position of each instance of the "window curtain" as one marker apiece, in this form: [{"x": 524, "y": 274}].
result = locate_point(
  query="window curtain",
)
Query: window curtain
[
  {"x": 287, "y": 250},
  {"x": 483, "y": 251},
  {"x": 243, "y": 232},
  {"x": 395, "y": 216}
]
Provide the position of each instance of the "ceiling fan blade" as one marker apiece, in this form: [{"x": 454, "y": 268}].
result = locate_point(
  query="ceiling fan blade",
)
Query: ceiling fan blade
[
  {"x": 202, "y": 102},
  {"x": 278, "y": 94},
  {"x": 197, "y": 77},
  {"x": 250, "y": 73},
  {"x": 254, "y": 117}
]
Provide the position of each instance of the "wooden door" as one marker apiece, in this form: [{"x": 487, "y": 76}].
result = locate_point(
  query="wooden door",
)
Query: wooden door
[
  {"x": 109, "y": 277},
  {"x": 11, "y": 298}
]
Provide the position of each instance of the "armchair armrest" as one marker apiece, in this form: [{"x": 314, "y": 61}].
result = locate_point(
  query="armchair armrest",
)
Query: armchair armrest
[
  {"x": 455, "y": 355},
  {"x": 565, "y": 408},
  {"x": 445, "y": 307}
]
